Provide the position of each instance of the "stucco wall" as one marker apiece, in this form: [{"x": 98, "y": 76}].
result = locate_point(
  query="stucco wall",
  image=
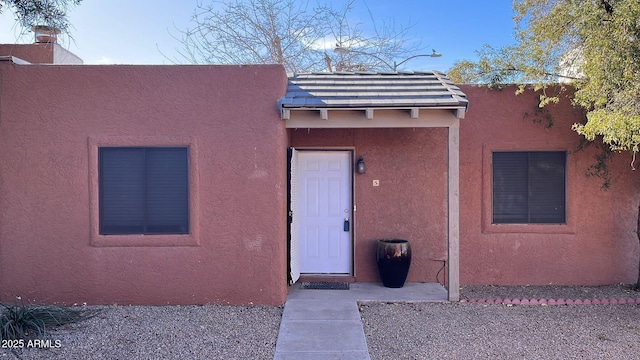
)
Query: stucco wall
[
  {"x": 598, "y": 244},
  {"x": 410, "y": 202},
  {"x": 40, "y": 53},
  {"x": 33, "y": 53},
  {"x": 53, "y": 118}
]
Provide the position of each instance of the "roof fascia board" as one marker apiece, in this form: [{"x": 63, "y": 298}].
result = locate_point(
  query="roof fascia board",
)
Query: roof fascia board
[
  {"x": 413, "y": 112},
  {"x": 382, "y": 119}
]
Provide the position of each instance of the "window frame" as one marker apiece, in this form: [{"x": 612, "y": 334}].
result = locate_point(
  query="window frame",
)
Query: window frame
[
  {"x": 150, "y": 240},
  {"x": 485, "y": 182},
  {"x": 528, "y": 192}
]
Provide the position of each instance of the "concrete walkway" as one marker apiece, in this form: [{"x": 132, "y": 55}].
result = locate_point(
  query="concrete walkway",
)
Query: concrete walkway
[{"x": 325, "y": 324}]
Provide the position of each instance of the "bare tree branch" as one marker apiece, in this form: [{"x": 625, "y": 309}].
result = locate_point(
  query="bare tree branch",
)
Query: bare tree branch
[
  {"x": 51, "y": 13},
  {"x": 290, "y": 33}
]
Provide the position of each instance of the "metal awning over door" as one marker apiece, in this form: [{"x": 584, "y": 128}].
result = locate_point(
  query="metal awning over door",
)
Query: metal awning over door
[{"x": 386, "y": 100}]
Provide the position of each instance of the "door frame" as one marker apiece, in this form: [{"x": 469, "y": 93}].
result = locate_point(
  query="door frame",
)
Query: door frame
[{"x": 351, "y": 151}]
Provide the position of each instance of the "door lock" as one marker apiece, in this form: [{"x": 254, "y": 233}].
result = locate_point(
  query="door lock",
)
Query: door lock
[{"x": 346, "y": 224}]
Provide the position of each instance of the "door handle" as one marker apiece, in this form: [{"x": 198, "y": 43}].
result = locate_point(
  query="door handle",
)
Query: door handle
[{"x": 346, "y": 224}]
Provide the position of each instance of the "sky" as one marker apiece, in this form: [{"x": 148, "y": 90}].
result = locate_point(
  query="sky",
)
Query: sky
[{"x": 148, "y": 31}]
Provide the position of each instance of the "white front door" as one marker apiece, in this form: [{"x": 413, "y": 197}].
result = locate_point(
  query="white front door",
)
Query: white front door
[{"x": 323, "y": 216}]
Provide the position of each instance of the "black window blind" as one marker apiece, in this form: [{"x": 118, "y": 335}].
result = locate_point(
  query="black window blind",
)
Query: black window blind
[
  {"x": 529, "y": 187},
  {"x": 143, "y": 190}
]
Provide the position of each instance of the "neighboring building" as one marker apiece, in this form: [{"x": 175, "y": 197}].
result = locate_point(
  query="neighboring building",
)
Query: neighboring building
[
  {"x": 45, "y": 53},
  {"x": 45, "y": 49},
  {"x": 170, "y": 184}
]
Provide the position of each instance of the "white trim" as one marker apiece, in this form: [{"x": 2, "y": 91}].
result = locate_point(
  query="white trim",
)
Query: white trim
[
  {"x": 351, "y": 151},
  {"x": 286, "y": 114},
  {"x": 294, "y": 245},
  {"x": 369, "y": 113},
  {"x": 366, "y": 112},
  {"x": 453, "y": 237},
  {"x": 384, "y": 118}
]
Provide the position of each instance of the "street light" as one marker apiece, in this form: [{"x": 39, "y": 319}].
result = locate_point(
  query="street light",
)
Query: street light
[{"x": 342, "y": 50}]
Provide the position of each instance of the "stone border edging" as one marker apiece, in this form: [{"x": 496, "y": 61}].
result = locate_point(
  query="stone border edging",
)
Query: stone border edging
[{"x": 560, "y": 301}]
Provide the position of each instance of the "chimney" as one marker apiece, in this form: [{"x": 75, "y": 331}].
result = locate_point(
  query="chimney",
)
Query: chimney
[{"x": 45, "y": 34}]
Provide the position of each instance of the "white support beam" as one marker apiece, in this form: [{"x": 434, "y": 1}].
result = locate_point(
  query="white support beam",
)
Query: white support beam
[
  {"x": 453, "y": 238},
  {"x": 369, "y": 113},
  {"x": 415, "y": 113},
  {"x": 324, "y": 114},
  {"x": 285, "y": 114}
]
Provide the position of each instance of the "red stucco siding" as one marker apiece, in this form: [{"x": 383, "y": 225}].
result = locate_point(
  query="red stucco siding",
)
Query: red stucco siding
[
  {"x": 410, "y": 201},
  {"x": 53, "y": 118},
  {"x": 598, "y": 244},
  {"x": 40, "y": 53}
]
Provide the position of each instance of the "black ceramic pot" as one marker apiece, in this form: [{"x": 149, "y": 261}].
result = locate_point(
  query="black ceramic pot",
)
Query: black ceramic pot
[{"x": 394, "y": 258}]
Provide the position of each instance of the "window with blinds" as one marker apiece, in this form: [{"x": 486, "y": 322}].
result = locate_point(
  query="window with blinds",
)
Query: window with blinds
[
  {"x": 143, "y": 190},
  {"x": 529, "y": 187}
]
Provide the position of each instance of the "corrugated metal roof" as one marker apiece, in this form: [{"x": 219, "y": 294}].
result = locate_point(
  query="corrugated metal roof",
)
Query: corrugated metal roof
[{"x": 363, "y": 90}]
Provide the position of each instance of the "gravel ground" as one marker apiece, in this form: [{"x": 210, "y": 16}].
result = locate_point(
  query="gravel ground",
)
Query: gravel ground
[
  {"x": 393, "y": 330},
  {"x": 165, "y": 332},
  {"x": 478, "y": 331},
  {"x": 483, "y": 331},
  {"x": 548, "y": 292}
]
